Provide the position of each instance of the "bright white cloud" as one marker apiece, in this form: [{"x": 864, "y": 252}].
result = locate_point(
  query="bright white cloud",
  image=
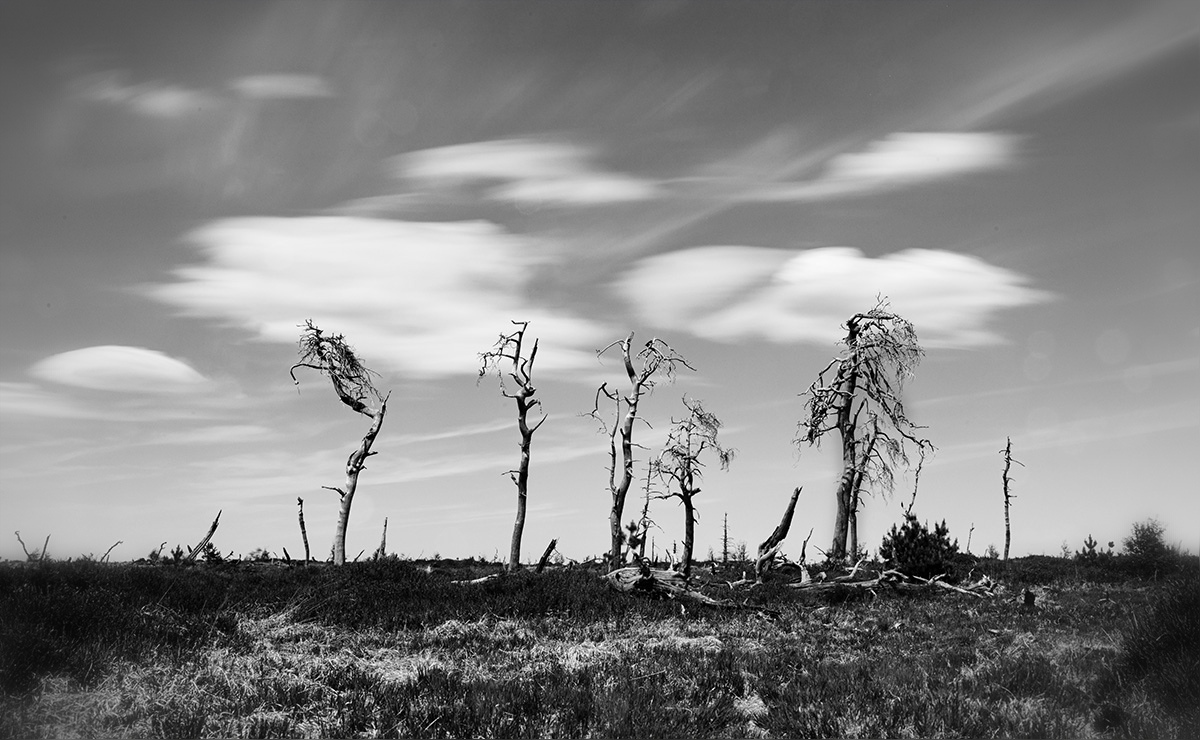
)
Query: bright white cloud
[
  {"x": 899, "y": 160},
  {"x": 118, "y": 368},
  {"x": 524, "y": 171},
  {"x": 281, "y": 86},
  {"x": 421, "y": 298},
  {"x": 731, "y": 293}
]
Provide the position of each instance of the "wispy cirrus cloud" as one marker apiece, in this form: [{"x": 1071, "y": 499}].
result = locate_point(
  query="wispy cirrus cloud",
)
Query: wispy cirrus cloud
[
  {"x": 523, "y": 171},
  {"x": 898, "y": 160},
  {"x": 281, "y": 87},
  {"x": 120, "y": 368},
  {"x": 420, "y": 298},
  {"x": 733, "y": 293}
]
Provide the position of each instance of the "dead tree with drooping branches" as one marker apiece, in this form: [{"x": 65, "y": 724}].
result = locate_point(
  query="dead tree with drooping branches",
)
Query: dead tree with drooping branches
[
  {"x": 858, "y": 395},
  {"x": 644, "y": 367},
  {"x": 352, "y": 381},
  {"x": 680, "y": 468},
  {"x": 514, "y": 368}
]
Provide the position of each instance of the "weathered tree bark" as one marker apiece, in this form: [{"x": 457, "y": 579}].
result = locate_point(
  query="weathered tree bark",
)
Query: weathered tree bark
[
  {"x": 303, "y": 531},
  {"x": 847, "y": 422},
  {"x": 546, "y": 556},
  {"x": 522, "y": 480},
  {"x": 689, "y": 534},
  {"x": 1008, "y": 461},
  {"x": 770, "y": 546},
  {"x": 381, "y": 552},
  {"x": 354, "y": 465},
  {"x": 207, "y": 538},
  {"x": 621, "y": 489}
]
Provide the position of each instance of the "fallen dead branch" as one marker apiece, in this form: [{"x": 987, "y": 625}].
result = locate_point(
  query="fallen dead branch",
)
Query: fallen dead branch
[
  {"x": 476, "y": 581},
  {"x": 672, "y": 585},
  {"x": 897, "y": 581}
]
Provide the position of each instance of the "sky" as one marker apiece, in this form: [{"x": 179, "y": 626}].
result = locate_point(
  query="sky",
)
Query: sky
[{"x": 182, "y": 185}]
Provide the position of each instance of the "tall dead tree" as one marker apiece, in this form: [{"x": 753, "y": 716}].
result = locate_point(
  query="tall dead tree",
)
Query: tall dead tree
[
  {"x": 1008, "y": 495},
  {"x": 862, "y": 403},
  {"x": 644, "y": 368},
  {"x": 514, "y": 368},
  {"x": 679, "y": 466},
  {"x": 333, "y": 357}
]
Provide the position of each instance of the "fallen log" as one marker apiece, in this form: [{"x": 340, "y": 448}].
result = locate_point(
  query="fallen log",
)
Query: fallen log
[
  {"x": 898, "y": 581},
  {"x": 669, "y": 583}
]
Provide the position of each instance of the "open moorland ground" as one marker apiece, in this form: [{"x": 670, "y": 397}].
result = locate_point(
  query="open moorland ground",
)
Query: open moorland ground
[{"x": 396, "y": 649}]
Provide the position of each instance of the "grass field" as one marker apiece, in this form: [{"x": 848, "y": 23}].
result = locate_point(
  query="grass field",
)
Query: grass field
[{"x": 387, "y": 649}]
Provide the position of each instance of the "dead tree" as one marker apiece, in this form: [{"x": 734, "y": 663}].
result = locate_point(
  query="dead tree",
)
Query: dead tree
[
  {"x": 1008, "y": 496},
  {"x": 770, "y": 546},
  {"x": 333, "y": 357},
  {"x": 507, "y": 359},
  {"x": 679, "y": 466},
  {"x": 862, "y": 403},
  {"x": 36, "y": 556},
  {"x": 303, "y": 531},
  {"x": 194, "y": 552},
  {"x": 644, "y": 368},
  {"x": 381, "y": 552}
]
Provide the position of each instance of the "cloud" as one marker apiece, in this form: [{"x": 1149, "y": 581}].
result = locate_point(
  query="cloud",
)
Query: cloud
[
  {"x": 118, "y": 368},
  {"x": 152, "y": 99},
  {"x": 281, "y": 87},
  {"x": 27, "y": 399},
  {"x": 732, "y": 293},
  {"x": 420, "y": 298},
  {"x": 898, "y": 160},
  {"x": 523, "y": 171}
]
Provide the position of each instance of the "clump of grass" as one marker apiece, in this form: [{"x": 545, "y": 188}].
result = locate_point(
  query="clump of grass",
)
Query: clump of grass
[{"x": 1155, "y": 682}]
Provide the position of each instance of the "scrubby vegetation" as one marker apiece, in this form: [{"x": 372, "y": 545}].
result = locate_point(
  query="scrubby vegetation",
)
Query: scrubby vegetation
[
  {"x": 917, "y": 550},
  {"x": 393, "y": 648}
]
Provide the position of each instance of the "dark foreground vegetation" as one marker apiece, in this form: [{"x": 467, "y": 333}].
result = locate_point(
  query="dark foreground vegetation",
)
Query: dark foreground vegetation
[{"x": 1110, "y": 648}]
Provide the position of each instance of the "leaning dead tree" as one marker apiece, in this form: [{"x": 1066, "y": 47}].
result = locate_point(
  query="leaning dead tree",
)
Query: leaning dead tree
[
  {"x": 514, "y": 367},
  {"x": 769, "y": 549},
  {"x": 334, "y": 358},
  {"x": 1008, "y": 496},
  {"x": 193, "y": 552},
  {"x": 861, "y": 401},
  {"x": 644, "y": 367},
  {"x": 679, "y": 466}
]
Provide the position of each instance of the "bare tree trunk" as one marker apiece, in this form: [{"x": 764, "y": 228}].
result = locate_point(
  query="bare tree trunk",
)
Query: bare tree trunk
[
  {"x": 841, "y": 524},
  {"x": 689, "y": 535},
  {"x": 303, "y": 531},
  {"x": 725, "y": 541},
  {"x": 622, "y": 489},
  {"x": 770, "y": 546},
  {"x": 381, "y": 552},
  {"x": 207, "y": 538},
  {"x": 522, "y": 481},
  {"x": 354, "y": 466},
  {"x": 546, "y": 556},
  {"x": 1008, "y": 461}
]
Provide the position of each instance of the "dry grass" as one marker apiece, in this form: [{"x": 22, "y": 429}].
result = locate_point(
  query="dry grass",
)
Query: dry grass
[{"x": 886, "y": 666}]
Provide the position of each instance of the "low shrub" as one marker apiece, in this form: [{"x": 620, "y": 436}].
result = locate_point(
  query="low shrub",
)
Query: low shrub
[{"x": 917, "y": 551}]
